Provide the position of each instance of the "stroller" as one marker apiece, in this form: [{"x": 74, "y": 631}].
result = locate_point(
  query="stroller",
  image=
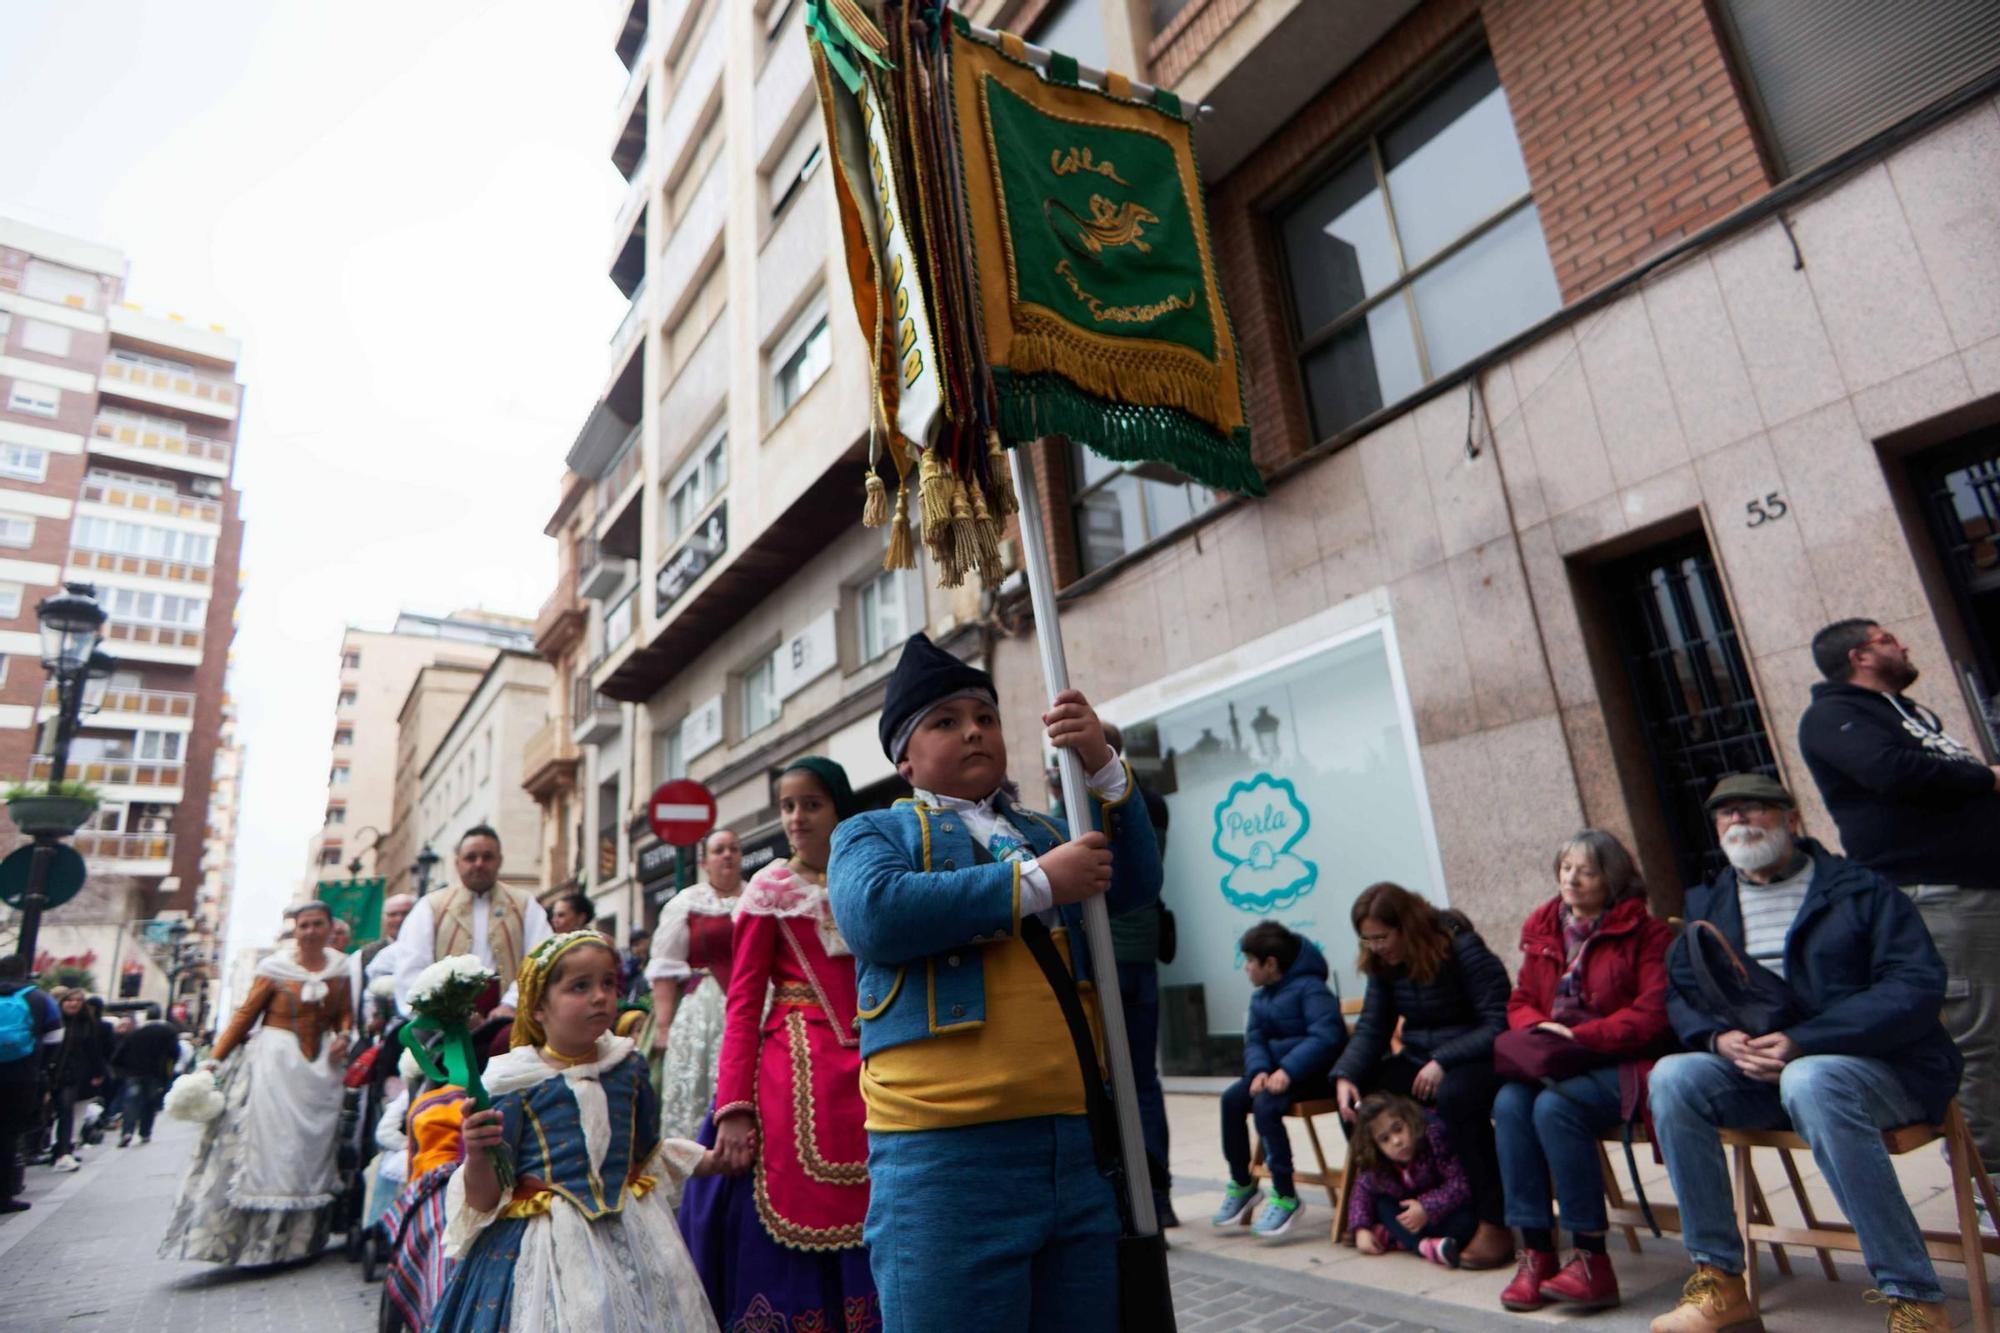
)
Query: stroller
[{"x": 360, "y": 1107}]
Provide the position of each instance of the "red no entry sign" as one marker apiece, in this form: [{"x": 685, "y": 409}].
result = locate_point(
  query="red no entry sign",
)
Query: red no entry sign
[{"x": 681, "y": 812}]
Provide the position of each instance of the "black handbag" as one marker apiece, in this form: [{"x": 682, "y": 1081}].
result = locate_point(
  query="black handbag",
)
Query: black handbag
[
  {"x": 1737, "y": 992},
  {"x": 1145, "y": 1289}
]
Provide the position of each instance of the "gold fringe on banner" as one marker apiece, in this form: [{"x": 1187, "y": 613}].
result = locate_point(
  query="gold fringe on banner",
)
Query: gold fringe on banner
[
  {"x": 1000, "y": 478},
  {"x": 1152, "y": 376}
]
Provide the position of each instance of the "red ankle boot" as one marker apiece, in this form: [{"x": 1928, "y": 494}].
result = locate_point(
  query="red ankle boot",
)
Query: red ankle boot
[
  {"x": 1525, "y": 1291},
  {"x": 1585, "y": 1283}
]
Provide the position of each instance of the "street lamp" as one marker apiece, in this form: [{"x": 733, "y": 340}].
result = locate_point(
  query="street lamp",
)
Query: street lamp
[
  {"x": 425, "y": 863},
  {"x": 72, "y": 625}
]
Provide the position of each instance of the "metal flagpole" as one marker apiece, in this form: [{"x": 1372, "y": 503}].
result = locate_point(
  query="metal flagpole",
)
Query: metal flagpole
[{"x": 1076, "y": 800}]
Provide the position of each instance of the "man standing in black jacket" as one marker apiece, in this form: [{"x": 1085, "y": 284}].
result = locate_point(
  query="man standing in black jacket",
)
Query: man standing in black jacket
[
  {"x": 1921, "y": 809},
  {"x": 145, "y": 1060}
]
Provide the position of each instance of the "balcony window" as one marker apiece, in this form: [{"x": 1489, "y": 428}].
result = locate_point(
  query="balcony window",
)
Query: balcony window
[
  {"x": 1420, "y": 252},
  {"x": 61, "y": 285},
  {"x": 1075, "y": 28},
  {"x": 34, "y": 400},
  {"x": 699, "y": 481},
  {"x": 669, "y": 754},
  {"x": 618, "y": 623},
  {"x": 350, "y": 661},
  {"x": 798, "y": 165},
  {"x": 10, "y": 600},
  {"x": 131, "y": 481},
  {"x": 758, "y": 688},
  {"x": 24, "y": 462},
  {"x": 800, "y": 363},
  {"x": 336, "y": 814},
  {"x": 132, "y": 607},
  {"x": 339, "y": 776},
  {"x": 93, "y": 532},
  {"x": 38, "y": 335},
  {"x": 348, "y": 698},
  {"x": 344, "y": 736},
  {"x": 1118, "y": 511},
  {"x": 17, "y": 531},
  {"x": 882, "y": 612},
  {"x": 160, "y": 745},
  {"x": 329, "y": 855}
]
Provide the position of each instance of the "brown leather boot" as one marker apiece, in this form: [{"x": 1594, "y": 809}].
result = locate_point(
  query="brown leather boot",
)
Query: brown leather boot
[
  {"x": 1490, "y": 1247},
  {"x": 1908, "y": 1316},
  {"x": 1712, "y": 1302}
]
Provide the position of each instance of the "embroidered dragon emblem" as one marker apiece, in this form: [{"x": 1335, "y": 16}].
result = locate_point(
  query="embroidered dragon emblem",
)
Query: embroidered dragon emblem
[{"x": 1110, "y": 226}]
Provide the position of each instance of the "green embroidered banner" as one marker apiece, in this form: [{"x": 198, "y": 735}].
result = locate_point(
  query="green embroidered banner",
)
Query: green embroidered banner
[{"x": 358, "y": 902}]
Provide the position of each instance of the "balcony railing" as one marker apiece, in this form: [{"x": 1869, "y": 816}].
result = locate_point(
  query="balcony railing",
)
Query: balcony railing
[
  {"x": 144, "y": 703},
  {"x": 549, "y": 746},
  {"x": 560, "y": 618},
  {"x": 166, "y": 636},
  {"x": 146, "y": 435},
  {"x": 207, "y": 388},
  {"x": 113, "y": 563},
  {"x": 592, "y": 717},
  {"x": 105, "y": 848},
  {"x": 156, "y": 773},
  {"x": 152, "y": 502}
]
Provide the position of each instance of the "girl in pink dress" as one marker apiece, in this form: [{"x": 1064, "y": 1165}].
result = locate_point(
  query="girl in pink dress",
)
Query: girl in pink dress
[{"x": 788, "y": 1095}]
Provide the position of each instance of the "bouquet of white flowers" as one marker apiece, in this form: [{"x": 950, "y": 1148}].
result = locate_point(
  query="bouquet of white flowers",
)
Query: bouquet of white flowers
[
  {"x": 195, "y": 1097},
  {"x": 442, "y": 997}
]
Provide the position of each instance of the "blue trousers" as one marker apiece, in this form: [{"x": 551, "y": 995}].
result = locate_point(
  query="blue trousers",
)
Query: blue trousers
[
  {"x": 1005, "y": 1227},
  {"x": 1139, "y": 988},
  {"x": 1544, "y": 1133},
  {"x": 1840, "y": 1104}
]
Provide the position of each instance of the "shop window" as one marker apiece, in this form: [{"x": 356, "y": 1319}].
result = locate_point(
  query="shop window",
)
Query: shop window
[
  {"x": 1290, "y": 788},
  {"x": 1418, "y": 253},
  {"x": 1825, "y": 76},
  {"x": 1960, "y": 488},
  {"x": 1119, "y": 510}
]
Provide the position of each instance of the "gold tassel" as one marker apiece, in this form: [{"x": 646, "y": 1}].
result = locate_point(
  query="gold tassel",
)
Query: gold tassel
[
  {"x": 900, "y": 556},
  {"x": 964, "y": 530},
  {"x": 1001, "y": 477},
  {"x": 985, "y": 536},
  {"x": 934, "y": 483},
  {"x": 875, "y": 508}
]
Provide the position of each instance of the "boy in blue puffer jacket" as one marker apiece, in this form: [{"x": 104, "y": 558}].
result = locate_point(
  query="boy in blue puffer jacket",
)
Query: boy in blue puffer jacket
[{"x": 1290, "y": 1042}]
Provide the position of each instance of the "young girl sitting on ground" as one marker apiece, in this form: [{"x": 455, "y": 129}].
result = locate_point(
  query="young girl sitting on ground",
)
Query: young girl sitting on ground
[
  {"x": 584, "y": 1240},
  {"x": 1409, "y": 1191}
]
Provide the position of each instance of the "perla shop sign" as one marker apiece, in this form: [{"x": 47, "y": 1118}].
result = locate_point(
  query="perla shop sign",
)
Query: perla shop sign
[{"x": 1256, "y": 826}]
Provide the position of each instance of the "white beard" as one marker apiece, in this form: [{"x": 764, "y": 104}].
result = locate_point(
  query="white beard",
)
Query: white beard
[{"x": 1753, "y": 851}]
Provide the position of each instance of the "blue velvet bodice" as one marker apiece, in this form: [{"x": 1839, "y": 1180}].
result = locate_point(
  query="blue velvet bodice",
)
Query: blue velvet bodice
[{"x": 544, "y": 1131}]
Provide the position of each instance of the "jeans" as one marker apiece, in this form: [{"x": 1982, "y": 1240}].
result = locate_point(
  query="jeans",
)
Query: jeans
[
  {"x": 65, "y": 1099},
  {"x": 1139, "y": 988},
  {"x": 1004, "y": 1226},
  {"x": 1840, "y": 1104},
  {"x": 1459, "y": 1225},
  {"x": 141, "y": 1101},
  {"x": 1268, "y": 1109},
  {"x": 1465, "y": 1105},
  {"x": 1965, "y": 926},
  {"x": 1543, "y": 1132}
]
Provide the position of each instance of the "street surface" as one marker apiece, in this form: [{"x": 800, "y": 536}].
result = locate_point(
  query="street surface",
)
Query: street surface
[{"x": 83, "y": 1258}]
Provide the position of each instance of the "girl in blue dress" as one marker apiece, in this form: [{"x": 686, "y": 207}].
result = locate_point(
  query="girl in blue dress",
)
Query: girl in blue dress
[{"x": 584, "y": 1240}]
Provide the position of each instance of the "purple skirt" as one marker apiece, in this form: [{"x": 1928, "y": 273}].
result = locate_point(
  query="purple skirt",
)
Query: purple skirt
[{"x": 753, "y": 1282}]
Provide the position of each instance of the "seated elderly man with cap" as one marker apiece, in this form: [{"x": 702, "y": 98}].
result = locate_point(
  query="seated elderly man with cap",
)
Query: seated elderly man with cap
[
  {"x": 985, "y": 1206},
  {"x": 1859, "y": 1050}
]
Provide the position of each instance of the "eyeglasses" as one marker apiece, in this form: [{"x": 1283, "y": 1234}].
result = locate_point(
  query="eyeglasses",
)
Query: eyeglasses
[
  {"x": 1376, "y": 941},
  {"x": 1740, "y": 810}
]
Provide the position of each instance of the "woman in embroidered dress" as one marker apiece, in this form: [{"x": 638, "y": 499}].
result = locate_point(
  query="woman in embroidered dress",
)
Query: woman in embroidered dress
[
  {"x": 689, "y": 969},
  {"x": 783, "y": 1248},
  {"x": 263, "y": 1173},
  {"x": 583, "y": 1241}
]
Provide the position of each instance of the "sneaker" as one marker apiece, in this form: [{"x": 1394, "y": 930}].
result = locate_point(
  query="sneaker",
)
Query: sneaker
[
  {"x": 1440, "y": 1250},
  {"x": 1277, "y": 1217},
  {"x": 1908, "y": 1316},
  {"x": 67, "y": 1162},
  {"x": 124, "y": 1140},
  {"x": 1238, "y": 1202}
]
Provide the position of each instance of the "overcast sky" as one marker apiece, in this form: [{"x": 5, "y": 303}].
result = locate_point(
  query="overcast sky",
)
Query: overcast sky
[{"x": 404, "y": 211}]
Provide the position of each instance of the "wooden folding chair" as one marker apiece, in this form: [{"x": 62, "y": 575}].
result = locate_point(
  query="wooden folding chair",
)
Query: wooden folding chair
[{"x": 1965, "y": 1245}]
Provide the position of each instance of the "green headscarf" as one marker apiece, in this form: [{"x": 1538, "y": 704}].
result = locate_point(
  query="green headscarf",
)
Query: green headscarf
[{"x": 832, "y": 777}]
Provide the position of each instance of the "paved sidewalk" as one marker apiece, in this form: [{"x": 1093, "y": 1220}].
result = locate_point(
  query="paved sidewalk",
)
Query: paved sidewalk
[{"x": 83, "y": 1258}]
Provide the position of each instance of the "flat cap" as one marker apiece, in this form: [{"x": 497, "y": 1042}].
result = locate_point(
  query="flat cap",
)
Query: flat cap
[{"x": 1749, "y": 787}]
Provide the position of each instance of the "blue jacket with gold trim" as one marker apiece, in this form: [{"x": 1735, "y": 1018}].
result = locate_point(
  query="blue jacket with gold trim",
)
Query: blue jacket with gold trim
[{"x": 911, "y": 891}]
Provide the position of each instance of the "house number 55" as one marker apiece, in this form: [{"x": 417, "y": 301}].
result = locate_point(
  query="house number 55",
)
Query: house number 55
[{"x": 1767, "y": 510}]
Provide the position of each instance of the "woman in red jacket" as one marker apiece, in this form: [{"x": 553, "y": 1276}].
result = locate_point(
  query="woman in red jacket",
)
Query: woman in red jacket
[{"x": 1594, "y": 973}]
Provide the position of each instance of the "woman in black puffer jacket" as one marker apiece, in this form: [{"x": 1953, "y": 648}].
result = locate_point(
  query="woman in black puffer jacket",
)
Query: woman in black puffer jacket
[{"x": 1431, "y": 970}]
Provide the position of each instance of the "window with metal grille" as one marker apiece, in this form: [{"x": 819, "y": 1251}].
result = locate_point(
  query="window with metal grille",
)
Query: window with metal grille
[
  {"x": 1419, "y": 252},
  {"x": 1960, "y": 484},
  {"x": 1826, "y": 74},
  {"x": 1692, "y": 688}
]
